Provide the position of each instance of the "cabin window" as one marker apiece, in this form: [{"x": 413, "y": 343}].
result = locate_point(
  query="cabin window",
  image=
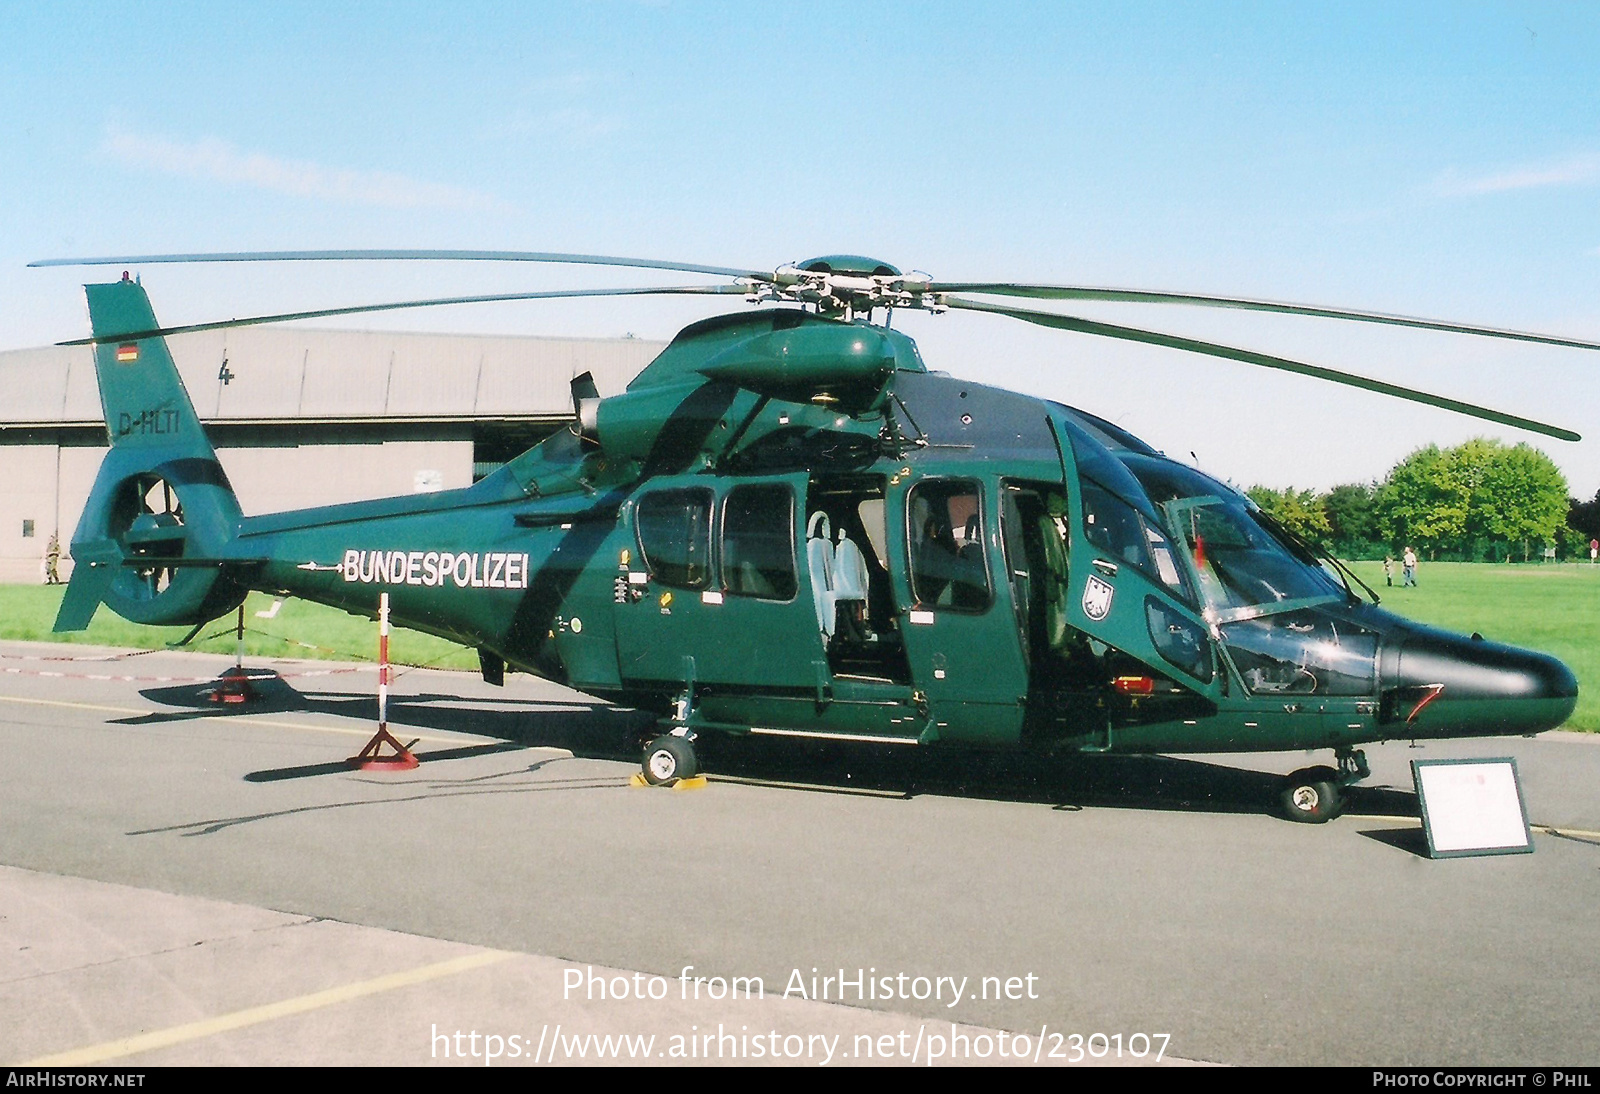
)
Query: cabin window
[
  {"x": 675, "y": 536},
  {"x": 758, "y": 542},
  {"x": 945, "y": 525}
]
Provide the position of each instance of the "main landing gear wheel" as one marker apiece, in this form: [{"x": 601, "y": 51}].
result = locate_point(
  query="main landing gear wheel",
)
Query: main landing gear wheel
[
  {"x": 668, "y": 759},
  {"x": 1311, "y": 795}
]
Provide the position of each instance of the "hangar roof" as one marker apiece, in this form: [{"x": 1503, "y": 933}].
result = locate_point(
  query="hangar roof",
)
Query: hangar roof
[{"x": 278, "y": 374}]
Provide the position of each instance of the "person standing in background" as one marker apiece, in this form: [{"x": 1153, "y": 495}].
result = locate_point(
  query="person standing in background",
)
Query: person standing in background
[
  {"x": 52, "y": 559},
  {"x": 1408, "y": 565}
]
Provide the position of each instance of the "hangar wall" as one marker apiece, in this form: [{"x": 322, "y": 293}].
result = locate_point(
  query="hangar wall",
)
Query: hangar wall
[{"x": 299, "y": 418}]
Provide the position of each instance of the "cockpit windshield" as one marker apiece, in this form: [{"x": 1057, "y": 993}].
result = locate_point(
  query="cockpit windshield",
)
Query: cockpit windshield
[
  {"x": 1264, "y": 592},
  {"x": 1244, "y": 567},
  {"x": 1240, "y": 563},
  {"x": 1134, "y": 500}
]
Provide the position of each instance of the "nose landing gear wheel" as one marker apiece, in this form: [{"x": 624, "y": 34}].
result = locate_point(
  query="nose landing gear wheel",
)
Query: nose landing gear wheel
[
  {"x": 1311, "y": 796},
  {"x": 668, "y": 759}
]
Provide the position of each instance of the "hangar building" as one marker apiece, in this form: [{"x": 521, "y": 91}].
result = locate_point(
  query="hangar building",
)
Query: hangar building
[{"x": 299, "y": 417}]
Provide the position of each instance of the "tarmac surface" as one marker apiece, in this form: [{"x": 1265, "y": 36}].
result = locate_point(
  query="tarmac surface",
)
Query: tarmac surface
[{"x": 186, "y": 882}]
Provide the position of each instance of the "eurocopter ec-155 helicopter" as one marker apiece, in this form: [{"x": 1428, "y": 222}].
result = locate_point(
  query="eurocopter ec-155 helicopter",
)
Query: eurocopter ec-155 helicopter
[{"x": 788, "y": 525}]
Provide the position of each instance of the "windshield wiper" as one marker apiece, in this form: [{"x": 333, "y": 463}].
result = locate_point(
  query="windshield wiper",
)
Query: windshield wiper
[{"x": 1346, "y": 575}]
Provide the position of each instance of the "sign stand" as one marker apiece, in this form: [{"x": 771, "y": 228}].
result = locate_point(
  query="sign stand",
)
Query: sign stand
[
  {"x": 370, "y": 758},
  {"x": 1472, "y": 807}
]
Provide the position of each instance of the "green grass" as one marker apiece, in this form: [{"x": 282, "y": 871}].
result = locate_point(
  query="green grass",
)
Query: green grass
[
  {"x": 1552, "y": 607},
  {"x": 300, "y": 629}
]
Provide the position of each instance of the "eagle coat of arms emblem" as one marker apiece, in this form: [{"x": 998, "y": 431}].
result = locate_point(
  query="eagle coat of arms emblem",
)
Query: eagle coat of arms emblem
[{"x": 1097, "y": 599}]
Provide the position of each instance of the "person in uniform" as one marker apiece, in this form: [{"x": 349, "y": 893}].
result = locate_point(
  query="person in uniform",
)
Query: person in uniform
[{"x": 52, "y": 559}]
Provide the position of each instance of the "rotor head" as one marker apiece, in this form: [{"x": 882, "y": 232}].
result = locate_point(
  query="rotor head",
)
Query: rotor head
[{"x": 844, "y": 285}]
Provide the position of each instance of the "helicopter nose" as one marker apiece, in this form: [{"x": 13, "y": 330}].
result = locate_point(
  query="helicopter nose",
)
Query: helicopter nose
[{"x": 1477, "y": 688}]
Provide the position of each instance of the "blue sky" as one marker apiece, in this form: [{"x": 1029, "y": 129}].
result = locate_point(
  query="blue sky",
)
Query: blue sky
[{"x": 1431, "y": 159}]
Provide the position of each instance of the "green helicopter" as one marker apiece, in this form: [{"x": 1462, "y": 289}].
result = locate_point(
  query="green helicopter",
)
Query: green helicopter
[{"x": 788, "y": 526}]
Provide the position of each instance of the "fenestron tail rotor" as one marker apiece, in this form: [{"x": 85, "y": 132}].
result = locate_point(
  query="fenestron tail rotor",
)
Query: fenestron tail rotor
[
  {"x": 150, "y": 525},
  {"x": 849, "y": 286}
]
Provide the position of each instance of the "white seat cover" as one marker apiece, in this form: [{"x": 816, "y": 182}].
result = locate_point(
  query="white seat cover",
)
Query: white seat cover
[
  {"x": 849, "y": 570},
  {"x": 819, "y": 560}
]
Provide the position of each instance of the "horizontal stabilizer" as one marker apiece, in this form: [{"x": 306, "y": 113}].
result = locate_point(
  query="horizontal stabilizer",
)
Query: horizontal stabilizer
[
  {"x": 190, "y": 562},
  {"x": 91, "y": 580}
]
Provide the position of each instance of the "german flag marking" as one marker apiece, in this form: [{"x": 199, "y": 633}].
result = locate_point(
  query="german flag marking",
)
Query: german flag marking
[{"x": 128, "y": 352}]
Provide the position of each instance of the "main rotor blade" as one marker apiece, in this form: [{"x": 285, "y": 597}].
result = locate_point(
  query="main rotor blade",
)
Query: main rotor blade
[
  {"x": 403, "y": 256},
  {"x": 1139, "y": 296},
  {"x": 320, "y": 313},
  {"x": 1251, "y": 357}
]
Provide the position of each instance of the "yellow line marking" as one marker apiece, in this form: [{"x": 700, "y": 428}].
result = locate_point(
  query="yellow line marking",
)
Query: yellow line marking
[
  {"x": 1416, "y": 822},
  {"x": 1555, "y": 831},
  {"x": 235, "y": 719},
  {"x": 239, "y": 1019},
  {"x": 75, "y": 706}
]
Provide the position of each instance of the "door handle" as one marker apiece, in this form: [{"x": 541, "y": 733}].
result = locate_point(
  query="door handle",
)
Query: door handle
[{"x": 1107, "y": 568}]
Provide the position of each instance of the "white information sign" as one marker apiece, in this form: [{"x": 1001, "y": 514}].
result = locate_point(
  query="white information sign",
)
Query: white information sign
[{"x": 1472, "y": 807}]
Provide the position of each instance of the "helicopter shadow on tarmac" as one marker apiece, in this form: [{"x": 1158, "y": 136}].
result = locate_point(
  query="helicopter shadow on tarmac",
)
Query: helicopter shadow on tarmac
[
  {"x": 590, "y": 730},
  {"x": 1066, "y": 781}
]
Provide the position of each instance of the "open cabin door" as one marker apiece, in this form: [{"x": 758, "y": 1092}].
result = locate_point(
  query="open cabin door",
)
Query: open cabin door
[
  {"x": 961, "y": 639},
  {"x": 1128, "y": 590}
]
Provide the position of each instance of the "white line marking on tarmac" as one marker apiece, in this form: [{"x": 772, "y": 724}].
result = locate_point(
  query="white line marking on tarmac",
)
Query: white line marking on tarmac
[{"x": 247, "y": 720}]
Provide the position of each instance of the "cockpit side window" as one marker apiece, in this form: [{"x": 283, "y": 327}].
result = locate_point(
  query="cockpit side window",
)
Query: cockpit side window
[
  {"x": 1129, "y": 536},
  {"x": 1118, "y": 516},
  {"x": 1096, "y": 464},
  {"x": 1178, "y": 639},
  {"x": 949, "y": 569},
  {"x": 1113, "y": 526}
]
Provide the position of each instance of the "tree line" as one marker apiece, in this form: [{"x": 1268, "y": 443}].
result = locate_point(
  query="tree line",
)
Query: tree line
[{"x": 1481, "y": 501}]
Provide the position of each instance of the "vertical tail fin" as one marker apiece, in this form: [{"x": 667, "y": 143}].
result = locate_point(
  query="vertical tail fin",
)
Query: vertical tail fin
[
  {"x": 160, "y": 494},
  {"x": 146, "y": 406}
]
